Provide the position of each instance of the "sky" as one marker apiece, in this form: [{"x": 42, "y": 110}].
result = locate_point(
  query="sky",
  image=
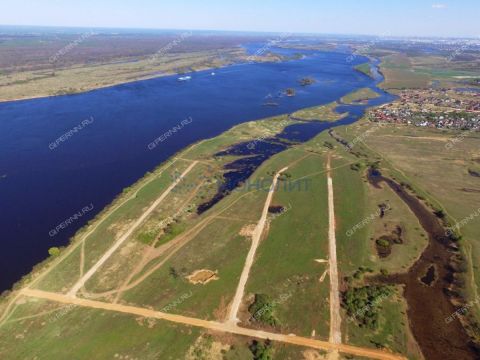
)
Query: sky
[{"x": 366, "y": 17}]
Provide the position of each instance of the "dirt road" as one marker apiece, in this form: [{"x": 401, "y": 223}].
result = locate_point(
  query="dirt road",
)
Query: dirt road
[
  {"x": 81, "y": 282},
  {"x": 257, "y": 234},
  {"x": 335, "y": 318},
  {"x": 213, "y": 325}
]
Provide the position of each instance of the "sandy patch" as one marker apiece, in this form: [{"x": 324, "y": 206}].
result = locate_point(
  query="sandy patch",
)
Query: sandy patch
[
  {"x": 220, "y": 313},
  {"x": 247, "y": 230},
  {"x": 202, "y": 276},
  {"x": 120, "y": 228}
]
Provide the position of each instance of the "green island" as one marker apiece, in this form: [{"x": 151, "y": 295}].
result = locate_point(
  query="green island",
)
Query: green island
[
  {"x": 365, "y": 69},
  {"x": 359, "y": 96}
]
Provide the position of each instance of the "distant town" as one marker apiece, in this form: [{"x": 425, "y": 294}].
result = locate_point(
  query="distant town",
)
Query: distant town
[{"x": 443, "y": 109}]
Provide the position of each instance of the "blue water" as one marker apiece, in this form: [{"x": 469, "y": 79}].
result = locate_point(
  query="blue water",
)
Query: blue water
[{"x": 40, "y": 187}]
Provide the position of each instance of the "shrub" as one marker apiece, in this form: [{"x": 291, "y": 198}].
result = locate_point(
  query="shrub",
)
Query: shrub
[
  {"x": 439, "y": 213},
  {"x": 262, "y": 310},
  {"x": 362, "y": 303},
  {"x": 261, "y": 351},
  {"x": 328, "y": 145},
  {"x": 383, "y": 243},
  {"x": 54, "y": 251}
]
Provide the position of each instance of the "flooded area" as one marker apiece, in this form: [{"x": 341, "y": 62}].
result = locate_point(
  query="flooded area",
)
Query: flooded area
[
  {"x": 427, "y": 286},
  {"x": 429, "y": 277}
]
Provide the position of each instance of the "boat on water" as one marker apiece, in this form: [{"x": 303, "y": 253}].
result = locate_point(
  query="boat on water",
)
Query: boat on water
[
  {"x": 184, "y": 78},
  {"x": 271, "y": 103}
]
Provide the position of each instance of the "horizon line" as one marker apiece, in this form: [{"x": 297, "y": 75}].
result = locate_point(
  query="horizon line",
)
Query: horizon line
[{"x": 253, "y": 32}]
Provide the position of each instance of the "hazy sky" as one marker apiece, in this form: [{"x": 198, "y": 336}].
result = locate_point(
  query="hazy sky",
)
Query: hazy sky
[{"x": 379, "y": 17}]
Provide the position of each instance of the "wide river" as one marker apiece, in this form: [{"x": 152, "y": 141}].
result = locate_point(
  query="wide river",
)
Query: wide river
[{"x": 44, "y": 181}]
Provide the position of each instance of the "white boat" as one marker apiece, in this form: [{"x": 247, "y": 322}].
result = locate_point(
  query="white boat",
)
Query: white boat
[
  {"x": 213, "y": 74},
  {"x": 184, "y": 78}
]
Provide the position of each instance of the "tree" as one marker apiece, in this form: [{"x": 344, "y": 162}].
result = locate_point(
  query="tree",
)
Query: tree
[
  {"x": 261, "y": 351},
  {"x": 54, "y": 251}
]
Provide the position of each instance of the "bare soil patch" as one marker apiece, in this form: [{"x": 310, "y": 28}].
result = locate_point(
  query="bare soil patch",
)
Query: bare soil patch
[
  {"x": 247, "y": 230},
  {"x": 202, "y": 276}
]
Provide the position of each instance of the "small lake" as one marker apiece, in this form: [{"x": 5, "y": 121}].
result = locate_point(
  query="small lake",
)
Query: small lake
[{"x": 43, "y": 182}]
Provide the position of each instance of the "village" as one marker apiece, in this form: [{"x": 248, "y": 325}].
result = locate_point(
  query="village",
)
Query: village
[{"x": 442, "y": 109}]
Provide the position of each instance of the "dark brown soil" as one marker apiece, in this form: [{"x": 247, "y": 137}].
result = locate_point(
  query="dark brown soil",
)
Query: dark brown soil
[
  {"x": 429, "y": 306},
  {"x": 385, "y": 243},
  {"x": 384, "y": 247}
]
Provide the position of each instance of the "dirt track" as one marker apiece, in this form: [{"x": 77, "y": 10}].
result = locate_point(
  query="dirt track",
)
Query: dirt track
[
  {"x": 335, "y": 318},
  {"x": 213, "y": 325},
  {"x": 257, "y": 234},
  {"x": 73, "y": 291}
]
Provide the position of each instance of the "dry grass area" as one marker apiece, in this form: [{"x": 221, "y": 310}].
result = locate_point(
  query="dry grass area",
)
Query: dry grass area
[{"x": 80, "y": 78}]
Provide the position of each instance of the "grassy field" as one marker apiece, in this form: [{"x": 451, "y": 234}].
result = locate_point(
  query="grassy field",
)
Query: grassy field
[
  {"x": 360, "y": 226},
  {"x": 285, "y": 267},
  {"x": 364, "y": 68},
  {"x": 322, "y": 113},
  {"x": 441, "y": 166},
  {"x": 404, "y": 71},
  {"x": 399, "y": 73}
]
